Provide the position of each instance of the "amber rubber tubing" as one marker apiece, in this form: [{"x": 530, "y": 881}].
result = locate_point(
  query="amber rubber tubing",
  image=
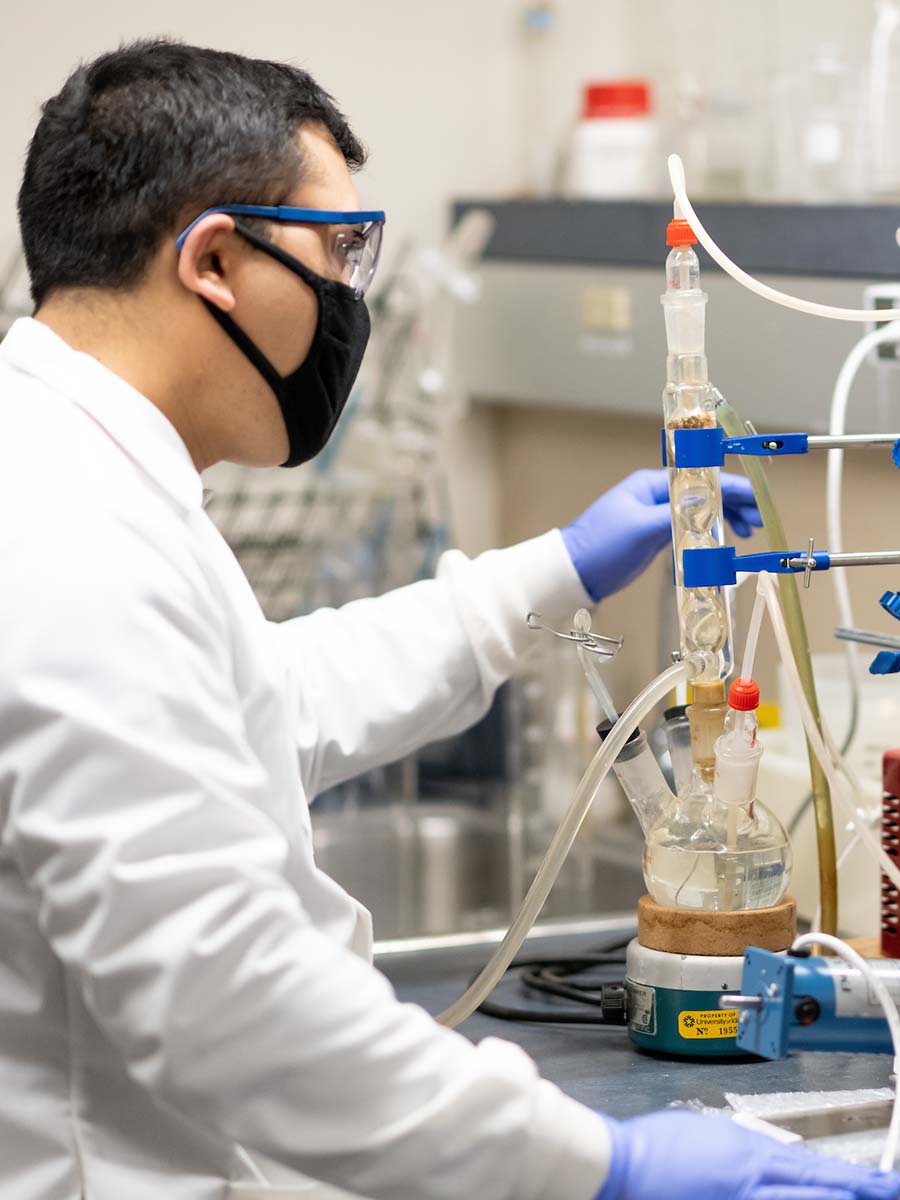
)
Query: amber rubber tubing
[{"x": 790, "y": 599}]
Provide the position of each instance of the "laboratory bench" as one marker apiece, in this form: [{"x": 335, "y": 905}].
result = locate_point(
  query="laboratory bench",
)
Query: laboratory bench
[{"x": 599, "y": 1066}]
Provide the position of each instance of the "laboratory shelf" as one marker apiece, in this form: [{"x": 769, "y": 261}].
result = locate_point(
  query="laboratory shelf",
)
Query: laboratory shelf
[{"x": 849, "y": 241}]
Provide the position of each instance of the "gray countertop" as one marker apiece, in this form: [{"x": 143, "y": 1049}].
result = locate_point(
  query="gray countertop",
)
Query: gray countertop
[{"x": 600, "y": 1067}]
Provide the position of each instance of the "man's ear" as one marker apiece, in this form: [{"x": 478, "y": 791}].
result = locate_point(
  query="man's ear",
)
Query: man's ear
[{"x": 206, "y": 258}]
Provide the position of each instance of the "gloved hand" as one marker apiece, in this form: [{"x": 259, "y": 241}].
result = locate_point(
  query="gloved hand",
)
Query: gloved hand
[
  {"x": 617, "y": 538},
  {"x": 683, "y": 1156}
]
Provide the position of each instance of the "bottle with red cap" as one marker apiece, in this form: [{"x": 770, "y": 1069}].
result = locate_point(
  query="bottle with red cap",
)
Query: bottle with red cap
[
  {"x": 738, "y": 750},
  {"x": 614, "y": 152}
]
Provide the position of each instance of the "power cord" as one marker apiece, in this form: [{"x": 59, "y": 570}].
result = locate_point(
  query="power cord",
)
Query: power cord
[{"x": 603, "y": 1000}]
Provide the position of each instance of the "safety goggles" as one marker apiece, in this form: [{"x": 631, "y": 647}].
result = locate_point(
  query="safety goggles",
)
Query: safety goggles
[{"x": 357, "y": 235}]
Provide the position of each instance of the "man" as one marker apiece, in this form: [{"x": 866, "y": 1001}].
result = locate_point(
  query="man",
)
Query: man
[{"x": 185, "y": 1000}]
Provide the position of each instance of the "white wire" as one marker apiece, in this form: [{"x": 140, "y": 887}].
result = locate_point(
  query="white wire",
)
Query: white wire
[
  {"x": 683, "y": 207},
  {"x": 837, "y": 425},
  {"x": 889, "y": 1008},
  {"x": 831, "y": 762},
  {"x": 252, "y": 1168}
]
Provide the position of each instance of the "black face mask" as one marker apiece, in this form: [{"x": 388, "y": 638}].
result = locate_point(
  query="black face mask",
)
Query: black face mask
[{"x": 312, "y": 397}]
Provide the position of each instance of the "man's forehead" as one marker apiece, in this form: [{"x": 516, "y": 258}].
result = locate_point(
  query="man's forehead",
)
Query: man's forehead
[{"x": 326, "y": 182}]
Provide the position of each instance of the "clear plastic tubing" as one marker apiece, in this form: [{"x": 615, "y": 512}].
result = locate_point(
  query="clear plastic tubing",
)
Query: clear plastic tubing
[
  {"x": 643, "y": 703},
  {"x": 829, "y": 761},
  {"x": 753, "y": 636},
  {"x": 684, "y": 209}
]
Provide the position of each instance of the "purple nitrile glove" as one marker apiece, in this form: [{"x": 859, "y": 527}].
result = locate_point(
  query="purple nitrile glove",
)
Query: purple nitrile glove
[
  {"x": 616, "y": 539},
  {"x": 685, "y": 1156}
]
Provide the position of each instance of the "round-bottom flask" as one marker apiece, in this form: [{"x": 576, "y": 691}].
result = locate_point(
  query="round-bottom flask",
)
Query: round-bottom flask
[{"x": 696, "y": 858}]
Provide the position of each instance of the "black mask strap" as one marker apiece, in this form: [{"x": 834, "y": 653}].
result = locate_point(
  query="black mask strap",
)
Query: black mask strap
[
  {"x": 318, "y": 283},
  {"x": 252, "y": 351}
]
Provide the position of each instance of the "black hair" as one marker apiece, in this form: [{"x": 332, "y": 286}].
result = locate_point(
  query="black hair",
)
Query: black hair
[{"x": 150, "y": 135}]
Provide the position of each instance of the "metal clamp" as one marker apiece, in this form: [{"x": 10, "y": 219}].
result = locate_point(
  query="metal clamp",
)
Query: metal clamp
[
  {"x": 707, "y": 447},
  {"x": 718, "y": 566},
  {"x": 594, "y": 643}
]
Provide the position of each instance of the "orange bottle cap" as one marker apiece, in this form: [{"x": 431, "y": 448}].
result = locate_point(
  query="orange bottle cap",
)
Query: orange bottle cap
[{"x": 679, "y": 233}]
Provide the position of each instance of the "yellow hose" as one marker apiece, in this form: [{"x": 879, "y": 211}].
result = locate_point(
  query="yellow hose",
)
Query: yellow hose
[{"x": 790, "y": 600}]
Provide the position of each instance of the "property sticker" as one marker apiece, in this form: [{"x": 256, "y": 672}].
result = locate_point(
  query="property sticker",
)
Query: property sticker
[
  {"x": 641, "y": 1007},
  {"x": 719, "y": 1023}
]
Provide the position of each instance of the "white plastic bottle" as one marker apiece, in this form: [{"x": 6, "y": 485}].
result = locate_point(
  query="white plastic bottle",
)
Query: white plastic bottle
[
  {"x": 614, "y": 151},
  {"x": 738, "y": 751}
]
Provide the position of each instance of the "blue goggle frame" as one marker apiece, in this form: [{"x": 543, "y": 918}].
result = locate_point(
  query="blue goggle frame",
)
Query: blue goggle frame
[
  {"x": 374, "y": 218},
  {"x": 286, "y": 212}
]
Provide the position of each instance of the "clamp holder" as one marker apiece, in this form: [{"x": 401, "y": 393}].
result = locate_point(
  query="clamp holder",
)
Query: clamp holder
[
  {"x": 718, "y": 566},
  {"x": 707, "y": 447}
]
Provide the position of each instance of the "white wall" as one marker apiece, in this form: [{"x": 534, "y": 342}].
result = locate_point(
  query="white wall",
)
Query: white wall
[
  {"x": 443, "y": 92},
  {"x": 435, "y": 89},
  {"x": 440, "y": 91},
  {"x": 432, "y": 88}
]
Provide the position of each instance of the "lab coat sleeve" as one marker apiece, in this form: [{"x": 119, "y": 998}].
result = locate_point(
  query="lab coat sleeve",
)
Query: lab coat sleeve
[
  {"x": 378, "y": 678},
  {"x": 136, "y": 812}
]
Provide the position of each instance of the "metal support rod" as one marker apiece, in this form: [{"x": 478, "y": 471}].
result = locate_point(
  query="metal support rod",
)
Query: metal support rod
[
  {"x": 883, "y": 641},
  {"x": 851, "y": 441},
  {"x": 741, "y": 1003},
  {"x": 885, "y": 558}
]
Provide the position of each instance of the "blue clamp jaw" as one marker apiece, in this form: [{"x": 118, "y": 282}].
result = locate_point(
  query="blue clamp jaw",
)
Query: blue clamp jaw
[
  {"x": 708, "y": 447},
  {"x": 765, "y": 1029},
  {"x": 718, "y": 566},
  {"x": 887, "y": 662}
]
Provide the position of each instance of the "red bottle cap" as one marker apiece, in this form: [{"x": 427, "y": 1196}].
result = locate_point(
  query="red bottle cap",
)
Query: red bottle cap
[
  {"x": 616, "y": 98},
  {"x": 679, "y": 233},
  {"x": 744, "y": 695}
]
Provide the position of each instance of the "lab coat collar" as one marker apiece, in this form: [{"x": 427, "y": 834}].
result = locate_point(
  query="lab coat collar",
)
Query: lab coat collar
[{"x": 134, "y": 423}]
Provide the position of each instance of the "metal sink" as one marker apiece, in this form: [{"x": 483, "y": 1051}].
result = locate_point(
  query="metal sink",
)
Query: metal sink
[{"x": 428, "y": 868}]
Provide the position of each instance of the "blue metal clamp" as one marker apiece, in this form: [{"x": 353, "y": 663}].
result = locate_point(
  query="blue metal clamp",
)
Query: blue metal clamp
[
  {"x": 890, "y": 602},
  {"x": 718, "y": 566},
  {"x": 887, "y": 662},
  {"x": 708, "y": 447}
]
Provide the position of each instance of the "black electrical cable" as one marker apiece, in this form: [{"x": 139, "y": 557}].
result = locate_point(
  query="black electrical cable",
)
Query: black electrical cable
[{"x": 554, "y": 977}]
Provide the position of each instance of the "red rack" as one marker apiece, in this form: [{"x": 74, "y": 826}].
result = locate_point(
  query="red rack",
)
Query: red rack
[{"x": 890, "y": 839}]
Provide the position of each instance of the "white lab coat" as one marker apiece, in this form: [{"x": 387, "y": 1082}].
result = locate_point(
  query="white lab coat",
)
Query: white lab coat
[{"x": 176, "y": 975}]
